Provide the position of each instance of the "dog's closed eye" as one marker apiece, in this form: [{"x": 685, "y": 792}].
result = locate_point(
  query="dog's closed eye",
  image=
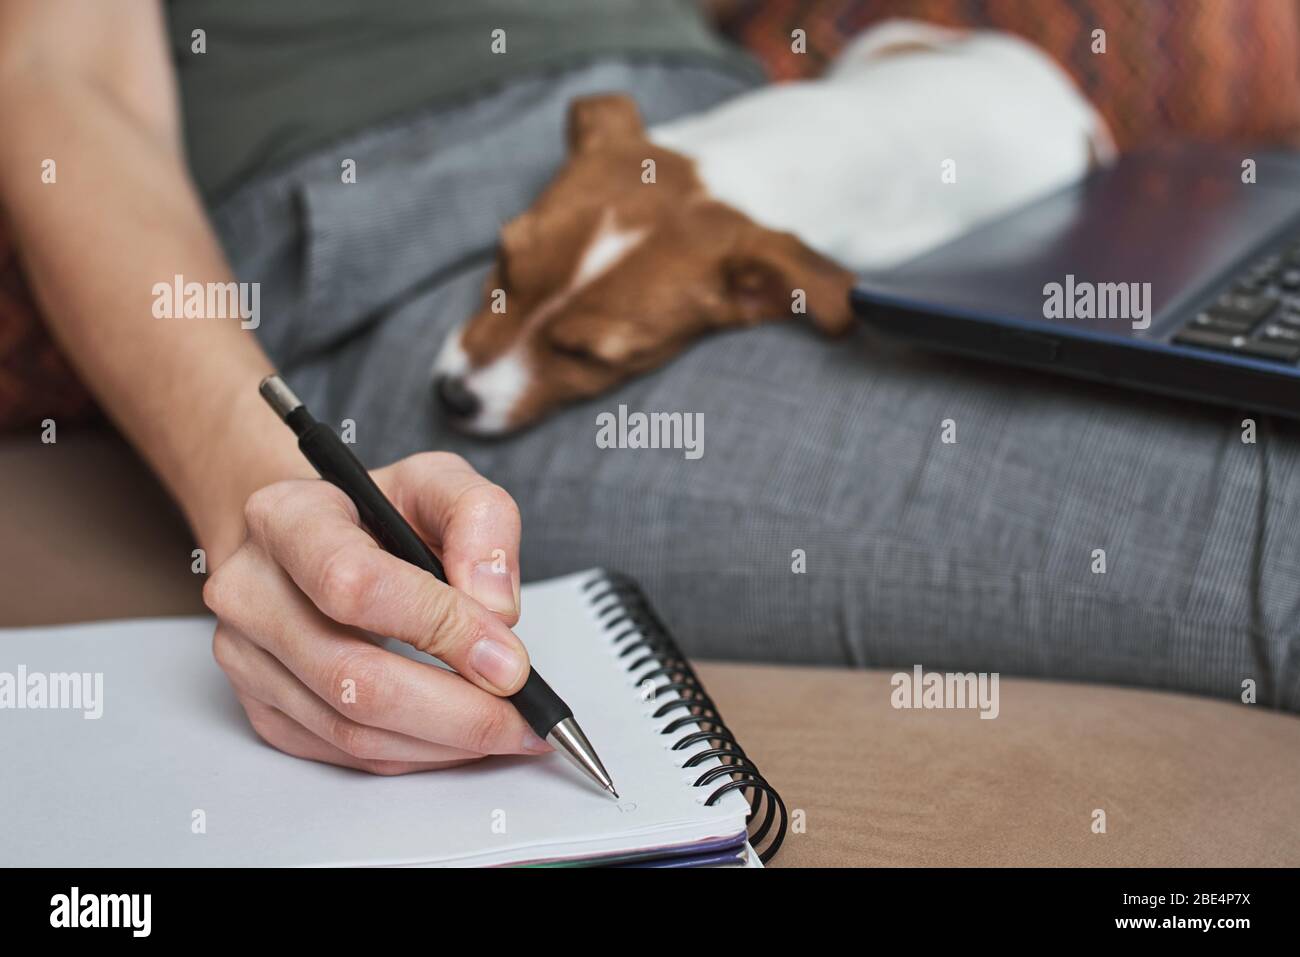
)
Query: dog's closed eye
[
  {"x": 576, "y": 352},
  {"x": 604, "y": 341}
]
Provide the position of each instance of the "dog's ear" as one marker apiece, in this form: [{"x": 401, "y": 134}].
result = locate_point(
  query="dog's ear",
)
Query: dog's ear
[
  {"x": 771, "y": 275},
  {"x": 603, "y": 119},
  {"x": 519, "y": 233}
]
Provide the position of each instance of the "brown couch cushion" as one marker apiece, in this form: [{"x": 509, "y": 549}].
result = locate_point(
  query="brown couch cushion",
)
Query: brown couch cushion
[{"x": 36, "y": 381}]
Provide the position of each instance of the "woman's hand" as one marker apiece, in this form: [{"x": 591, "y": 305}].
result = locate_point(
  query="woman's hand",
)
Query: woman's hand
[
  {"x": 299, "y": 601},
  {"x": 299, "y": 588}
]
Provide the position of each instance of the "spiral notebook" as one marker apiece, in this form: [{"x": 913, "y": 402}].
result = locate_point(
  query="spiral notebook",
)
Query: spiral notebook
[{"x": 170, "y": 774}]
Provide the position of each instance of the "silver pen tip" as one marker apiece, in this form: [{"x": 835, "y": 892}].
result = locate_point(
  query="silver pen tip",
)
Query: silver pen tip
[{"x": 567, "y": 738}]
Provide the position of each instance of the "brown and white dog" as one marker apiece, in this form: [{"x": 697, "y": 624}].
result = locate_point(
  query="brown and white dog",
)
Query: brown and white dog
[{"x": 915, "y": 134}]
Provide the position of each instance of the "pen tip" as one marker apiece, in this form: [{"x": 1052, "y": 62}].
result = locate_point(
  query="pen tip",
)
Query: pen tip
[{"x": 613, "y": 792}]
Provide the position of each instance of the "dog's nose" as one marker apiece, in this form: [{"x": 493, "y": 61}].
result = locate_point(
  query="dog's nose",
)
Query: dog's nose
[{"x": 455, "y": 396}]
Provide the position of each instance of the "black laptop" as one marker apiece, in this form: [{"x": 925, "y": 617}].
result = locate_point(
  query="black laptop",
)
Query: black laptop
[{"x": 1176, "y": 270}]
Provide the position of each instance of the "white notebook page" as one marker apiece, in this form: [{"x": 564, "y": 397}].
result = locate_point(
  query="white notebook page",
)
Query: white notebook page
[{"x": 173, "y": 748}]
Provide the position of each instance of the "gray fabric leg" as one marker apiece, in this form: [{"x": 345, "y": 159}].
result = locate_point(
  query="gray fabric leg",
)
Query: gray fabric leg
[{"x": 972, "y": 556}]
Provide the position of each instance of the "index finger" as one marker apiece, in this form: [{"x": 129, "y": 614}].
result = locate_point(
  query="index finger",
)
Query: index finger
[
  {"x": 472, "y": 523},
  {"x": 309, "y": 528}
]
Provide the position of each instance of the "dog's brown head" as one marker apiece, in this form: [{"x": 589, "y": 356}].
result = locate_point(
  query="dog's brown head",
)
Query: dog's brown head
[{"x": 623, "y": 260}]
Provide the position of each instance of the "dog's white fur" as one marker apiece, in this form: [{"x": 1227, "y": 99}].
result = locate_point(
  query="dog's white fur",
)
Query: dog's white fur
[
  {"x": 854, "y": 163},
  {"x": 610, "y": 244}
]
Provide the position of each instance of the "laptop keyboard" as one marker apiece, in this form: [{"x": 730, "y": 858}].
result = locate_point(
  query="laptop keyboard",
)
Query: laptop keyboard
[{"x": 1257, "y": 314}]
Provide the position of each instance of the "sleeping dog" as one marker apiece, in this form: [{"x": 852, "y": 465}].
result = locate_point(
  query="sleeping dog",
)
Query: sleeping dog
[{"x": 756, "y": 210}]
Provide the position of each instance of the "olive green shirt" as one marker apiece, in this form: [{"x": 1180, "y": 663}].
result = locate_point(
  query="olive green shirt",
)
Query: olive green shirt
[{"x": 279, "y": 78}]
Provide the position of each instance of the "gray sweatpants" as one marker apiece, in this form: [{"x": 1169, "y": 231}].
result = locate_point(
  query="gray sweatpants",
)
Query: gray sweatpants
[{"x": 977, "y": 555}]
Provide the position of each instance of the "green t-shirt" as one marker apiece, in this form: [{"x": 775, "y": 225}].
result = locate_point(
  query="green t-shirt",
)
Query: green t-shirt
[{"x": 279, "y": 78}]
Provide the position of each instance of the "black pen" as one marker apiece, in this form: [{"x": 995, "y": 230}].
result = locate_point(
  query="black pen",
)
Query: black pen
[{"x": 544, "y": 710}]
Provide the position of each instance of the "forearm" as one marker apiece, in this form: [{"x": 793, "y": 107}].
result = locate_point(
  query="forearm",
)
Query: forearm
[{"x": 121, "y": 217}]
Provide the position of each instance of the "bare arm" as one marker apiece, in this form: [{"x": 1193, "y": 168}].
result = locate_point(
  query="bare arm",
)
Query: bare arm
[
  {"x": 296, "y": 583},
  {"x": 89, "y": 85}
]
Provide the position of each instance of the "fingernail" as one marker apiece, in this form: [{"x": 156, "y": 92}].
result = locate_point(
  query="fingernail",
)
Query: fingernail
[
  {"x": 535, "y": 745},
  {"x": 497, "y": 664},
  {"x": 493, "y": 589}
]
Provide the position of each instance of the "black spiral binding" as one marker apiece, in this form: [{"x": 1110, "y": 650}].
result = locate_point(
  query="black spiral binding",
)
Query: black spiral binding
[{"x": 652, "y": 654}]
